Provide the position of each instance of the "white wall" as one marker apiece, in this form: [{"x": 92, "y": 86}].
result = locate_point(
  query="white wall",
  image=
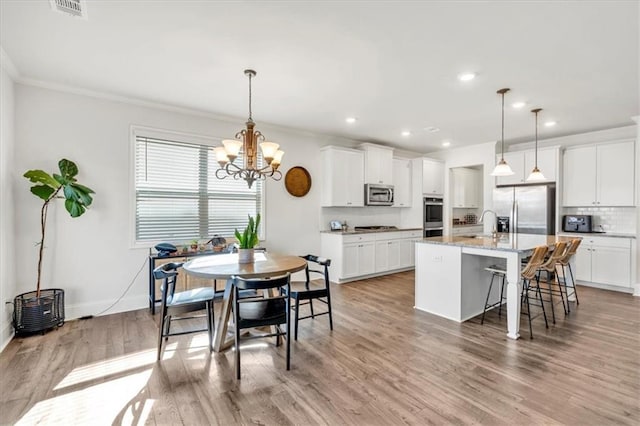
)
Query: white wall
[
  {"x": 7, "y": 234},
  {"x": 90, "y": 257},
  {"x": 484, "y": 155}
]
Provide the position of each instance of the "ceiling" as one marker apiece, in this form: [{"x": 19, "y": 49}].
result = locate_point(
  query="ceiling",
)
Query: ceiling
[{"x": 393, "y": 65}]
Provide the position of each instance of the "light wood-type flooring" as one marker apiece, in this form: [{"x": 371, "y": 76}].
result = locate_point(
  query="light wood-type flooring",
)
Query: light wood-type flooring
[{"x": 383, "y": 364}]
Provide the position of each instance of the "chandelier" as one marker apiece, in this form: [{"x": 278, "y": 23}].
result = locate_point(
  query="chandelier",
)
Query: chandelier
[{"x": 246, "y": 141}]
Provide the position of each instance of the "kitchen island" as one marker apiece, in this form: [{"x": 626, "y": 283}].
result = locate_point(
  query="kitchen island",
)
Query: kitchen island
[{"x": 450, "y": 280}]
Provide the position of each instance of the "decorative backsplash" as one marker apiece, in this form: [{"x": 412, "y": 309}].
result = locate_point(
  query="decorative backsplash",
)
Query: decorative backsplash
[{"x": 611, "y": 219}]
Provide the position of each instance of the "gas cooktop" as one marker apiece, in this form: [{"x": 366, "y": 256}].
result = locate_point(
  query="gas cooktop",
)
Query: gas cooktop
[{"x": 374, "y": 228}]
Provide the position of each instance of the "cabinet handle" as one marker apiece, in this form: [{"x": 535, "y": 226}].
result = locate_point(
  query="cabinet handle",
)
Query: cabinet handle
[
  {"x": 598, "y": 202},
  {"x": 593, "y": 202}
]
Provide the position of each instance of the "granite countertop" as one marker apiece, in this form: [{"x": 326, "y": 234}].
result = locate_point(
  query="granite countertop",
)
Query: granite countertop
[
  {"x": 600, "y": 234},
  {"x": 504, "y": 242},
  {"x": 369, "y": 231}
]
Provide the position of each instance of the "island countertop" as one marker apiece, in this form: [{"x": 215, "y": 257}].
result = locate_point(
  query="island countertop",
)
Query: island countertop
[{"x": 504, "y": 242}]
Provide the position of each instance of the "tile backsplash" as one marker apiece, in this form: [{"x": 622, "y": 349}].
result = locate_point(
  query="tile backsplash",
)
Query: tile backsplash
[{"x": 608, "y": 219}]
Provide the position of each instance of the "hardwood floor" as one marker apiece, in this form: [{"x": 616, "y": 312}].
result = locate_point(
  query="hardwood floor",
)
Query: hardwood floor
[{"x": 383, "y": 364}]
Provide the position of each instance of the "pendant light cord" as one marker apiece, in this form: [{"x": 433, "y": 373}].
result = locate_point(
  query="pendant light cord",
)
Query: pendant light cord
[
  {"x": 502, "y": 126},
  {"x": 536, "y": 139}
]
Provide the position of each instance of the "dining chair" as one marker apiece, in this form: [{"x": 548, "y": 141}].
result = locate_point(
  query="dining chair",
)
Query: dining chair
[
  {"x": 180, "y": 303},
  {"x": 271, "y": 308},
  {"x": 315, "y": 287}
]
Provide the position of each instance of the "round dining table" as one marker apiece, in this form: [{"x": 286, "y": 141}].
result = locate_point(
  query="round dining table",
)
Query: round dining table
[{"x": 225, "y": 266}]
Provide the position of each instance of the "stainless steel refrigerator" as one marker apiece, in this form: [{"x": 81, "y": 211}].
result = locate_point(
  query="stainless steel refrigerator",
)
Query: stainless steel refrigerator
[{"x": 531, "y": 209}]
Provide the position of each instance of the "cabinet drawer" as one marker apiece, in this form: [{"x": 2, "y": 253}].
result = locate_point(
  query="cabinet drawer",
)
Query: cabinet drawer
[
  {"x": 357, "y": 238},
  {"x": 608, "y": 242}
]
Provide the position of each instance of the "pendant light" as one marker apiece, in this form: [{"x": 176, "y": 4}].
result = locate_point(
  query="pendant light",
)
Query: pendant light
[
  {"x": 536, "y": 175},
  {"x": 502, "y": 168}
]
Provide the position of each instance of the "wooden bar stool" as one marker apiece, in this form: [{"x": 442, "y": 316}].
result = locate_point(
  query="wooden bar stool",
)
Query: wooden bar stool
[
  {"x": 549, "y": 266},
  {"x": 529, "y": 274},
  {"x": 564, "y": 262}
]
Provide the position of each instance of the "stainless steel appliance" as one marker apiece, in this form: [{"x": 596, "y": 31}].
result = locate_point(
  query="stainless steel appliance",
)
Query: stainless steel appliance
[
  {"x": 530, "y": 209},
  {"x": 378, "y": 195},
  {"x": 433, "y": 216},
  {"x": 577, "y": 223}
]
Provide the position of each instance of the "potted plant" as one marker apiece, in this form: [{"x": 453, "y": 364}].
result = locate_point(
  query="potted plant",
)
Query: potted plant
[
  {"x": 248, "y": 240},
  {"x": 44, "y": 308}
]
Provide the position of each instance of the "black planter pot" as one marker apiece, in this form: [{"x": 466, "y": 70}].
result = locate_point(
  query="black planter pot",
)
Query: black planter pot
[{"x": 32, "y": 314}]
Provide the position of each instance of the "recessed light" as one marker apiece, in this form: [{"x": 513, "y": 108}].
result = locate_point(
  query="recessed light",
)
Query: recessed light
[
  {"x": 406, "y": 133},
  {"x": 350, "y": 120},
  {"x": 432, "y": 129},
  {"x": 466, "y": 76},
  {"x": 550, "y": 124},
  {"x": 446, "y": 143},
  {"x": 518, "y": 105}
]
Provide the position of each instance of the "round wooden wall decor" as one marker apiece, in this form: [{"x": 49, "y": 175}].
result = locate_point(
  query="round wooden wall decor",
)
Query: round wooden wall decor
[{"x": 297, "y": 181}]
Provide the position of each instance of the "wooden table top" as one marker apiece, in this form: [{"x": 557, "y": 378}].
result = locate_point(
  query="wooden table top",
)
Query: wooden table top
[{"x": 224, "y": 266}]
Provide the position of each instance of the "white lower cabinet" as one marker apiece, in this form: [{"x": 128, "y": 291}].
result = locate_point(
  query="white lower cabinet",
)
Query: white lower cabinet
[
  {"x": 605, "y": 260},
  {"x": 359, "y": 255}
]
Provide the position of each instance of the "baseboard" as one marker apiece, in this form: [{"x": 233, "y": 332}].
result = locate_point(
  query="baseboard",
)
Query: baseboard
[
  {"x": 97, "y": 308},
  {"x": 6, "y": 335},
  {"x": 378, "y": 274},
  {"x": 607, "y": 287},
  {"x": 636, "y": 290}
]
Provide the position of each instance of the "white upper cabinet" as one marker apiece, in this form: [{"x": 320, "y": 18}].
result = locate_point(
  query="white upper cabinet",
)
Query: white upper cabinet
[
  {"x": 522, "y": 163},
  {"x": 378, "y": 164},
  {"x": 401, "y": 182},
  {"x": 342, "y": 177},
  {"x": 599, "y": 175},
  {"x": 432, "y": 177},
  {"x": 466, "y": 187}
]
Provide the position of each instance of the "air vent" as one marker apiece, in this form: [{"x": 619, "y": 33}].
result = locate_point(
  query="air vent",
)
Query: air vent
[{"x": 76, "y": 8}]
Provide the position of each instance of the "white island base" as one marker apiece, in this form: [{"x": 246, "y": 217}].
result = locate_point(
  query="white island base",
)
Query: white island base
[{"x": 450, "y": 280}]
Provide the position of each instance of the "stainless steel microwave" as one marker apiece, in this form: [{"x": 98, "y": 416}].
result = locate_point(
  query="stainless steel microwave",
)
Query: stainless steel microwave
[{"x": 378, "y": 195}]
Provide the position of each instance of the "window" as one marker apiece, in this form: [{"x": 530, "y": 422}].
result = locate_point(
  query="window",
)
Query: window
[{"x": 177, "y": 195}]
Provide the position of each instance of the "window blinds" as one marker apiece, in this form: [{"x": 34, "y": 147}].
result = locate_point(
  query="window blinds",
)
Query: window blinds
[{"x": 178, "y": 197}]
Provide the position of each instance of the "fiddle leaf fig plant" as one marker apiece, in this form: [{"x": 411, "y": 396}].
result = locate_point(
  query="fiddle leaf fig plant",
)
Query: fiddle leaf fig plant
[
  {"x": 249, "y": 238},
  {"x": 77, "y": 198}
]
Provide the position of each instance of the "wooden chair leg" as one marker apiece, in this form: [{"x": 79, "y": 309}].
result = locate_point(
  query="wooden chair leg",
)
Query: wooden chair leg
[
  {"x": 289, "y": 334},
  {"x": 330, "y": 314},
  {"x": 160, "y": 335}
]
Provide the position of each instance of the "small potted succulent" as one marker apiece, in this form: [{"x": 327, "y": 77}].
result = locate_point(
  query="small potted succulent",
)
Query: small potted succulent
[{"x": 247, "y": 240}]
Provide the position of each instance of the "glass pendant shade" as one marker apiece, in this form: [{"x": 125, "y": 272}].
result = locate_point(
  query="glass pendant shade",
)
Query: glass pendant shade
[
  {"x": 277, "y": 158},
  {"x": 536, "y": 175},
  {"x": 502, "y": 169},
  {"x": 269, "y": 150},
  {"x": 232, "y": 147},
  {"x": 221, "y": 155}
]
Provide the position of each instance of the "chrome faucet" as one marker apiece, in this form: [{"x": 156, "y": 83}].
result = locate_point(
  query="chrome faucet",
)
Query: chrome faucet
[{"x": 494, "y": 232}]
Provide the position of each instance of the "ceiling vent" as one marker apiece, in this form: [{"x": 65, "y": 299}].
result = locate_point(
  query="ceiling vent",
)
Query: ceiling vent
[{"x": 76, "y": 8}]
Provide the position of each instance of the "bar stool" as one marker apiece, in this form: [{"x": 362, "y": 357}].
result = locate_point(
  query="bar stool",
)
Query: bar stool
[
  {"x": 529, "y": 273},
  {"x": 564, "y": 262},
  {"x": 500, "y": 273},
  {"x": 549, "y": 266}
]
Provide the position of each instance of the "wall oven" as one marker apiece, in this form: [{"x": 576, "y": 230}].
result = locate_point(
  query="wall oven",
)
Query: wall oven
[{"x": 433, "y": 217}]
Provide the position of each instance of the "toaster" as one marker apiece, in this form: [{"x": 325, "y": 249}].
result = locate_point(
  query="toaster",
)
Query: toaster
[{"x": 577, "y": 223}]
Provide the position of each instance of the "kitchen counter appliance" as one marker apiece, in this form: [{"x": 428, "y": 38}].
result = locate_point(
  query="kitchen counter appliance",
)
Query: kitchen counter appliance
[{"x": 577, "y": 223}]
